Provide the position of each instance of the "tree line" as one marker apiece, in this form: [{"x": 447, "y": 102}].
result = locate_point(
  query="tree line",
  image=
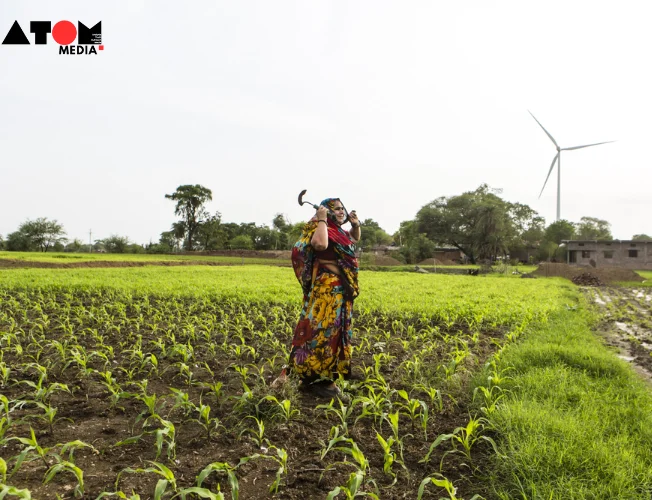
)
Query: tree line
[{"x": 480, "y": 224}]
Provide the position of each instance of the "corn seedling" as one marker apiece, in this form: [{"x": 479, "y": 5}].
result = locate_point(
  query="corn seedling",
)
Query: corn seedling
[
  {"x": 352, "y": 488},
  {"x": 63, "y": 466},
  {"x": 225, "y": 468},
  {"x": 285, "y": 409}
]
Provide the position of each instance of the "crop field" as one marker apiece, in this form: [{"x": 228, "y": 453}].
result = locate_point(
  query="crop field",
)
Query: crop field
[
  {"x": 156, "y": 382},
  {"x": 15, "y": 259}
]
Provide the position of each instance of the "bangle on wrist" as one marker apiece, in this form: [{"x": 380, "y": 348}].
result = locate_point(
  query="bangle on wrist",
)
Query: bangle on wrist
[
  {"x": 319, "y": 220},
  {"x": 355, "y": 225}
]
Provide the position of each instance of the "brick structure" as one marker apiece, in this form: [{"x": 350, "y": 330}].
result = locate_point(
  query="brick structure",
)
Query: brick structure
[{"x": 610, "y": 253}]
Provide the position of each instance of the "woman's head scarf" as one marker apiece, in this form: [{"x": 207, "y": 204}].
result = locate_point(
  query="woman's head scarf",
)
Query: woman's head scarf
[{"x": 303, "y": 254}]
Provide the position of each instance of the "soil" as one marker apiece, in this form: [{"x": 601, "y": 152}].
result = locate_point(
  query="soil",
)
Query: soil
[
  {"x": 626, "y": 323},
  {"x": 88, "y": 414},
  {"x": 384, "y": 260},
  {"x": 603, "y": 274}
]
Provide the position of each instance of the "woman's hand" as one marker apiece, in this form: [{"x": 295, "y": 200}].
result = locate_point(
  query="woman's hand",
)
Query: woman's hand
[
  {"x": 322, "y": 213},
  {"x": 353, "y": 218}
]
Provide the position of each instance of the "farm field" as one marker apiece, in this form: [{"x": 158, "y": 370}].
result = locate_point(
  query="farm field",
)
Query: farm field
[
  {"x": 156, "y": 381},
  {"x": 79, "y": 259}
]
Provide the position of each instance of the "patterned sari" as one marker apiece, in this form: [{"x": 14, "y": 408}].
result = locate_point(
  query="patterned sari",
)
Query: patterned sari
[{"x": 321, "y": 347}]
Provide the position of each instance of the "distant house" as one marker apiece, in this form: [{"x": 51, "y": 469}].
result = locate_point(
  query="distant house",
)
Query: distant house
[
  {"x": 448, "y": 253},
  {"x": 384, "y": 249},
  {"x": 610, "y": 253}
]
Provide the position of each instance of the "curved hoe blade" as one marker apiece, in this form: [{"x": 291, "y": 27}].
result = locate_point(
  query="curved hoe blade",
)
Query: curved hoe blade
[
  {"x": 300, "y": 199},
  {"x": 547, "y": 133},
  {"x": 552, "y": 165},
  {"x": 586, "y": 146}
]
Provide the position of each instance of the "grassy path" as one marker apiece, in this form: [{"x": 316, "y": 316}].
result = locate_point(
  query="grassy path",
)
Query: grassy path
[{"x": 575, "y": 422}]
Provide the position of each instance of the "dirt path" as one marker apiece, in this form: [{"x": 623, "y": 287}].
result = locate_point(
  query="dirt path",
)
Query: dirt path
[{"x": 627, "y": 323}]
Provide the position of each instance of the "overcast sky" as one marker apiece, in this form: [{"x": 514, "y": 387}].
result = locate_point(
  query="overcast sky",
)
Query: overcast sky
[{"x": 387, "y": 105}]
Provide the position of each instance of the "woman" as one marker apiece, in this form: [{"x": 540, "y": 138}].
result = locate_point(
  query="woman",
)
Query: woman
[{"x": 325, "y": 265}]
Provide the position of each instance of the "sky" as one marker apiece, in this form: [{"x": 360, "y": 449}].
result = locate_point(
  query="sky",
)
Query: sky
[{"x": 385, "y": 104}]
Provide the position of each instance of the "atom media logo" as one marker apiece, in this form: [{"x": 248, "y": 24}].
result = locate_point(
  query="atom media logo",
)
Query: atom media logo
[{"x": 89, "y": 40}]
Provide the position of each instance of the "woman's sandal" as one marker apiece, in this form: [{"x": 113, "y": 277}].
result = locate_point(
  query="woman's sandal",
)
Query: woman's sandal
[{"x": 326, "y": 391}]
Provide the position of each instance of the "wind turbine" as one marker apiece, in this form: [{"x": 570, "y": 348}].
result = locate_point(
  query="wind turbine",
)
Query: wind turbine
[{"x": 557, "y": 159}]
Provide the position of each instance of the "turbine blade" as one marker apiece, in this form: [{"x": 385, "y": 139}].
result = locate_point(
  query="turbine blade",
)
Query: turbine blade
[
  {"x": 586, "y": 146},
  {"x": 547, "y": 133},
  {"x": 552, "y": 165}
]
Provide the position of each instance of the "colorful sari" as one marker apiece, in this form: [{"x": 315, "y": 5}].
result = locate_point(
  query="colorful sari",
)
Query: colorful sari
[{"x": 321, "y": 346}]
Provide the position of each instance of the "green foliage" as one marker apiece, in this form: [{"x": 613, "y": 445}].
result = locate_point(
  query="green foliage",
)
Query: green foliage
[
  {"x": 576, "y": 422},
  {"x": 479, "y": 223},
  {"x": 116, "y": 244},
  {"x": 40, "y": 234},
  {"x": 242, "y": 242},
  {"x": 591, "y": 228},
  {"x": 559, "y": 230},
  {"x": 636, "y": 237},
  {"x": 210, "y": 235},
  {"x": 373, "y": 235},
  {"x": 190, "y": 206},
  {"x": 417, "y": 249}
]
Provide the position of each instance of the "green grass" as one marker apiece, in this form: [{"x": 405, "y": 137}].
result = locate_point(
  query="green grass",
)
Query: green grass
[
  {"x": 576, "y": 421},
  {"x": 65, "y": 258},
  {"x": 634, "y": 284},
  {"x": 410, "y": 268}
]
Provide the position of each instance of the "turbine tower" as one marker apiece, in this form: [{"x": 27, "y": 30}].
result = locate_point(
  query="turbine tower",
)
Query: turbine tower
[{"x": 557, "y": 159}]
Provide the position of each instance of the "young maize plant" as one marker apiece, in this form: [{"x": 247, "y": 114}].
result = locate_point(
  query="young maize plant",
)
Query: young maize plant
[
  {"x": 285, "y": 410},
  {"x": 462, "y": 440},
  {"x": 167, "y": 478},
  {"x": 228, "y": 470},
  {"x": 339, "y": 443},
  {"x": 210, "y": 424},
  {"x": 442, "y": 482},
  {"x": 389, "y": 457},
  {"x": 257, "y": 434},
  {"x": 165, "y": 436},
  {"x": 352, "y": 488},
  {"x": 64, "y": 466},
  {"x": 32, "y": 449},
  {"x": 344, "y": 413}
]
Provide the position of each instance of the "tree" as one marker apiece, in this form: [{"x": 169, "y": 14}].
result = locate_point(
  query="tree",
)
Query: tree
[
  {"x": 40, "y": 234},
  {"x": 210, "y": 235},
  {"x": 479, "y": 223},
  {"x": 591, "y": 228},
  {"x": 2, "y": 243},
  {"x": 636, "y": 237},
  {"x": 18, "y": 242},
  {"x": 116, "y": 244},
  {"x": 373, "y": 235},
  {"x": 280, "y": 223},
  {"x": 242, "y": 242},
  {"x": 559, "y": 230},
  {"x": 294, "y": 233},
  {"x": 190, "y": 206},
  {"x": 554, "y": 234},
  {"x": 76, "y": 245},
  {"x": 417, "y": 249}
]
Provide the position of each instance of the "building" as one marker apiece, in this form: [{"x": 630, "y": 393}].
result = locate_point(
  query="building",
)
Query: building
[{"x": 610, "y": 253}]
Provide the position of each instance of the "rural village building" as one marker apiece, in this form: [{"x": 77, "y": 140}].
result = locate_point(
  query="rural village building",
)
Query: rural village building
[{"x": 610, "y": 253}]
